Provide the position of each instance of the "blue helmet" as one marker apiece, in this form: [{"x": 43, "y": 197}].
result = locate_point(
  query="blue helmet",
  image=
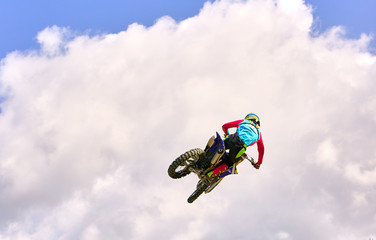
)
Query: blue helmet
[{"x": 253, "y": 118}]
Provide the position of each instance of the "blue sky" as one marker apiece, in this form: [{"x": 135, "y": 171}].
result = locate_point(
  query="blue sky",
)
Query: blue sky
[{"x": 21, "y": 20}]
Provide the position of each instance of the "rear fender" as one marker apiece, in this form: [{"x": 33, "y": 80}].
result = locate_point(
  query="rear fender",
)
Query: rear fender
[
  {"x": 218, "y": 149},
  {"x": 210, "y": 143}
]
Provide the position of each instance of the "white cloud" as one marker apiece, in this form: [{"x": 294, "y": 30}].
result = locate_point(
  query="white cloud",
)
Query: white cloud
[
  {"x": 327, "y": 154},
  {"x": 283, "y": 235},
  {"x": 365, "y": 176},
  {"x": 51, "y": 39},
  {"x": 90, "y": 125}
]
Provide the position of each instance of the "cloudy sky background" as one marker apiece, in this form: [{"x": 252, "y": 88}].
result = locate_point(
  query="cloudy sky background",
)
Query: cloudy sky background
[{"x": 91, "y": 121}]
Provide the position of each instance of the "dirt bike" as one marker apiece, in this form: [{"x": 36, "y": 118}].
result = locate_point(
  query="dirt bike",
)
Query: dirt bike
[{"x": 201, "y": 162}]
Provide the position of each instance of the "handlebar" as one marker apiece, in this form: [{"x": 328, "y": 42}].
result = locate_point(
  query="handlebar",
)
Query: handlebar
[{"x": 245, "y": 156}]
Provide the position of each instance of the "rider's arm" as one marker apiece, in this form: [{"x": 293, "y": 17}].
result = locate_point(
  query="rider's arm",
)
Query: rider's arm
[
  {"x": 260, "y": 148},
  {"x": 228, "y": 125}
]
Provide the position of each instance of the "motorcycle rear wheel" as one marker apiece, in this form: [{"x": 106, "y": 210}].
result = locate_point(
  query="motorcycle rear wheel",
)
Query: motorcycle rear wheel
[{"x": 180, "y": 167}]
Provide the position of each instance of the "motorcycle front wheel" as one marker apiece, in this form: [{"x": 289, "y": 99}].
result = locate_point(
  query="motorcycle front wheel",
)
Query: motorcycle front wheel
[{"x": 199, "y": 190}]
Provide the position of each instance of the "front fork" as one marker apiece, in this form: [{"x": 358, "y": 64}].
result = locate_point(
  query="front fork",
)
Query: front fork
[{"x": 201, "y": 175}]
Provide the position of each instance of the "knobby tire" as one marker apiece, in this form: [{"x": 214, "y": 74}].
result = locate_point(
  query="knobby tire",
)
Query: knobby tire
[
  {"x": 197, "y": 193},
  {"x": 184, "y": 161}
]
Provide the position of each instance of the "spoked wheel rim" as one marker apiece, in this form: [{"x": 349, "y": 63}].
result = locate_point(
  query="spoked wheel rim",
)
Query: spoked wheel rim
[
  {"x": 184, "y": 166},
  {"x": 180, "y": 167}
]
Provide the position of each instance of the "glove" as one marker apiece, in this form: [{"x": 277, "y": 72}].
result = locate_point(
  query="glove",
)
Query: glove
[{"x": 256, "y": 165}]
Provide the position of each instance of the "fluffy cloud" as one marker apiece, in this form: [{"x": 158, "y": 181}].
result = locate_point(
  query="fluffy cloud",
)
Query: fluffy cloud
[{"x": 90, "y": 125}]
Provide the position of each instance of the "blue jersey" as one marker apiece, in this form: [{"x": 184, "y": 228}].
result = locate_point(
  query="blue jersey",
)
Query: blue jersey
[{"x": 248, "y": 133}]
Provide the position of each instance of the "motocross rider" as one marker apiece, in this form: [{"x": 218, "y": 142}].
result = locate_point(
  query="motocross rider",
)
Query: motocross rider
[{"x": 247, "y": 134}]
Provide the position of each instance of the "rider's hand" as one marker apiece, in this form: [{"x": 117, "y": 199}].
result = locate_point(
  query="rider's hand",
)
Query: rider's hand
[{"x": 256, "y": 165}]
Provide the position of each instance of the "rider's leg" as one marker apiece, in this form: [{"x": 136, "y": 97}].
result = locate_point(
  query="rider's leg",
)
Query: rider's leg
[{"x": 236, "y": 146}]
